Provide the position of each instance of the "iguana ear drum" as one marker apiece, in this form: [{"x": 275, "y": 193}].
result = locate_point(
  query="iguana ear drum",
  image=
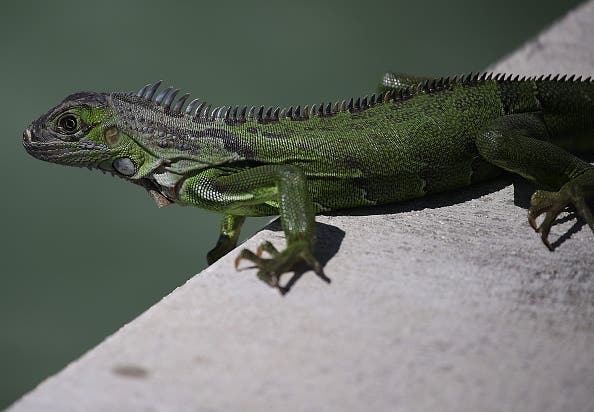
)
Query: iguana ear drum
[
  {"x": 112, "y": 136},
  {"x": 125, "y": 166}
]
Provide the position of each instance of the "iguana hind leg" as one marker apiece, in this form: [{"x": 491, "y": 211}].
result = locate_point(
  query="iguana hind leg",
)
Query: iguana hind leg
[{"x": 517, "y": 143}]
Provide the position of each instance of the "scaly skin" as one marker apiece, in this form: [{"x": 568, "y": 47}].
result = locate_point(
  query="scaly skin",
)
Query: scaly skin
[{"x": 419, "y": 136}]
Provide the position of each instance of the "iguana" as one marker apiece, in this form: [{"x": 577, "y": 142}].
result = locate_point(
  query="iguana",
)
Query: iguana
[{"x": 414, "y": 137}]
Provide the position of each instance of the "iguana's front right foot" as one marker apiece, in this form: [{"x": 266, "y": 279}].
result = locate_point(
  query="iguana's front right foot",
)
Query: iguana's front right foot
[
  {"x": 271, "y": 269},
  {"x": 576, "y": 192}
]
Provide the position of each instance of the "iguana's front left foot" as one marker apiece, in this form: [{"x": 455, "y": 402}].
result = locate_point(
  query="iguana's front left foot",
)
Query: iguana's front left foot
[
  {"x": 271, "y": 269},
  {"x": 576, "y": 192}
]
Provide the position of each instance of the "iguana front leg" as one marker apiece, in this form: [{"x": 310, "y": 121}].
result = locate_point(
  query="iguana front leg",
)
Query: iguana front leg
[
  {"x": 230, "y": 229},
  {"x": 263, "y": 190},
  {"x": 517, "y": 143}
]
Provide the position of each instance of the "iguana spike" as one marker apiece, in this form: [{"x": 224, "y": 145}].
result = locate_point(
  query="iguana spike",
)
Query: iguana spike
[
  {"x": 350, "y": 105},
  {"x": 364, "y": 102},
  {"x": 314, "y": 110},
  {"x": 516, "y": 78},
  {"x": 563, "y": 78},
  {"x": 227, "y": 112},
  {"x": 578, "y": 79},
  {"x": 335, "y": 109},
  {"x": 269, "y": 114},
  {"x": 205, "y": 113},
  {"x": 250, "y": 115},
  {"x": 548, "y": 78},
  {"x": 475, "y": 77},
  {"x": 151, "y": 90},
  {"x": 555, "y": 78},
  {"x": 169, "y": 99},
  {"x": 222, "y": 111},
  {"x": 211, "y": 114},
  {"x": 276, "y": 113},
  {"x": 372, "y": 99},
  {"x": 179, "y": 104},
  {"x": 191, "y": 105},
  {"x": 143, "y": 90},
  {"x": 234, "y": 115},
  {"x": 298, "y": 112},
  {"x": 199, "y": 109},
  {"x": 162, "y": 94},
  {"x": 588, "y": 79},
  {"x": 243, "y": 111},
  {"x": 260, "y": 113},
  {"x": 289, "y": 112}
]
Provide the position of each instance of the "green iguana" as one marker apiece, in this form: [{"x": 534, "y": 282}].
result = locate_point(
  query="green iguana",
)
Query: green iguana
[{"x": 416, "y": 136}]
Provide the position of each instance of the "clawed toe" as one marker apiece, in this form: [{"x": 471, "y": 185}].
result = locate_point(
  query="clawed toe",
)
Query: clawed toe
[
  {"x": 551, "y": 204},
  {"x": 268, "y": 248}
]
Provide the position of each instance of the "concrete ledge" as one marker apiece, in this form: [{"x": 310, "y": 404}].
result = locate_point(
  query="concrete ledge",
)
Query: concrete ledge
[{"x": 450, "y": 303}]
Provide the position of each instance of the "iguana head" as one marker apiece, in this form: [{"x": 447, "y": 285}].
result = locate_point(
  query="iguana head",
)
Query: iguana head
[{"x": 81, "y": 131}]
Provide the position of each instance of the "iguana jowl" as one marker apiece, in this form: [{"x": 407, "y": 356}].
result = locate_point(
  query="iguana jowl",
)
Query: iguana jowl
[{"x": 416, "y": 136}]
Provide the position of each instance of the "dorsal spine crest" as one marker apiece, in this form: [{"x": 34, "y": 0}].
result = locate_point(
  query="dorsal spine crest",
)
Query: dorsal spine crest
[{"x": 200, "y": 111}]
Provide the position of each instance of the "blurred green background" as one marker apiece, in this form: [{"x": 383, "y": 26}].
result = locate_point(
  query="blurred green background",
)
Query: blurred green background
[{"x": 84, "y": 253}]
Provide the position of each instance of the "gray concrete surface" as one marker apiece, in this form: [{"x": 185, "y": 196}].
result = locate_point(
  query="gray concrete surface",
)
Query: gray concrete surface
[{"x": 450, "y": 303}]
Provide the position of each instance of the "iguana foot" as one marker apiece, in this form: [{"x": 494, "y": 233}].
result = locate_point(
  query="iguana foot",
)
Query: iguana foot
[
  {"x": 551, "y": 204},
  {"x": 271, "y": 269}
]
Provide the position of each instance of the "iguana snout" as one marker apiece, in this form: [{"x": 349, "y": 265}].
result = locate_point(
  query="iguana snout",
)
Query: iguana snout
[{"x": 69, "y": 133}]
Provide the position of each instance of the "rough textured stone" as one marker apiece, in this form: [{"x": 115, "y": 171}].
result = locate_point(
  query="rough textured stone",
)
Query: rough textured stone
[{"x": 449, "y": 303}]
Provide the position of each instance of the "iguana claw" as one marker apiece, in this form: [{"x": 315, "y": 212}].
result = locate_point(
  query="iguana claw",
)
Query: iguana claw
[{"x": 271, "y": 269}]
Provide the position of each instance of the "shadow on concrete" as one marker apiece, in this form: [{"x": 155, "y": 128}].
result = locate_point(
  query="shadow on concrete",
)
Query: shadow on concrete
[{"x": 433, "y": 201}]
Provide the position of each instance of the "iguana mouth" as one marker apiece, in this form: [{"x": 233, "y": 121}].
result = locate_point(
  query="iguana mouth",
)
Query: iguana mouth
[{"x": 43, "y": 146}]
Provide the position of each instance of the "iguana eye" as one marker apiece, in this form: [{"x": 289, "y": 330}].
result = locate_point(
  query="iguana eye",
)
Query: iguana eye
[{"x": 67, "y": 123}]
